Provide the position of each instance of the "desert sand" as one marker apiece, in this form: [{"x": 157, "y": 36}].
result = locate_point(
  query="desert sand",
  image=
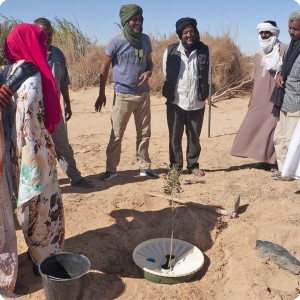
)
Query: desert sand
[{"x": 107, "y": 222}]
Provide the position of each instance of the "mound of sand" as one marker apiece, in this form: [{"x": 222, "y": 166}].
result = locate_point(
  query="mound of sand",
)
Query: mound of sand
[{"x": 107, "y": 222}]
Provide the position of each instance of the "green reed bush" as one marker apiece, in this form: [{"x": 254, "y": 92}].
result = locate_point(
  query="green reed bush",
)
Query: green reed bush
[
  {"x": 83, "y": 55},
  {"x": 7, "y": 24}
]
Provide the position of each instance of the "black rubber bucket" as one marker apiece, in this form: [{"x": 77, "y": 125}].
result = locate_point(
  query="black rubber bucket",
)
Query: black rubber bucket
[{"x": 62, "y": 275}]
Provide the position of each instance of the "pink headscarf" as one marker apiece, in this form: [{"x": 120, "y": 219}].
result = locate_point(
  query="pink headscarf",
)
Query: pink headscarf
[{"x": 27, "y": 41}]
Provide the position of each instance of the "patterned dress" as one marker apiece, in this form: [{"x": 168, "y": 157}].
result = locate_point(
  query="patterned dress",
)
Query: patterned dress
[
  {"x": 8, "y": 242},
  {"x": 40, "y": 210}
]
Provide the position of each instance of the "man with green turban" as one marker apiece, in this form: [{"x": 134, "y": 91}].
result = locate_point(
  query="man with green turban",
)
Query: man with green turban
[
  {"x": 129, "y": 53},
  {"x": 133, "y": 37}
]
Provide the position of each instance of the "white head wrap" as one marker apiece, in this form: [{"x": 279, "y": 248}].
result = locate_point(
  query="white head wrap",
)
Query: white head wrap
[
  {"x": 272, "y": 59},
  {"x": 268, "y": 27}
]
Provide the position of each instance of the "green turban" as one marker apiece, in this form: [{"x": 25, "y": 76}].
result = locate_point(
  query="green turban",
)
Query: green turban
[
  {"x": 128, "y": 11},
  {"x": 135, "y": 39}
]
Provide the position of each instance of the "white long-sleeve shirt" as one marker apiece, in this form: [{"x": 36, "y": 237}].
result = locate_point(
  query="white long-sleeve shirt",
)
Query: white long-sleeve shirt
[{"x": 186, "y": 90}]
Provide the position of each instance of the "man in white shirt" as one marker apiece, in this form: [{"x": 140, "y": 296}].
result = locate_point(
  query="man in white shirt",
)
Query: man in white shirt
[{"x": 186, "y": 67}]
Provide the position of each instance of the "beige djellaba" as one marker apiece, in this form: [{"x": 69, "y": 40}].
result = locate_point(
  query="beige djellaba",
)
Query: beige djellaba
[{"x": 254, "y": 138}]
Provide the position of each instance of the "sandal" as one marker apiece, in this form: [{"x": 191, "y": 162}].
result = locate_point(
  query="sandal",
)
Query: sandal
[
  {"x": 284, "y": 178},
  {"x": 197, "y": 172},
  {"x": 84, "y": 183},
  {"x": 276, "y": 174}
]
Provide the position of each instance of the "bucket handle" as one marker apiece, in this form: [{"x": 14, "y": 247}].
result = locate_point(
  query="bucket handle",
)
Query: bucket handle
[{"x": 55, "y": 278}]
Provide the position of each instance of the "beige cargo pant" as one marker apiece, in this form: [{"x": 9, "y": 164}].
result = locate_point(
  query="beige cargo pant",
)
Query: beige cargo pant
[
  {"x": 123, "y": 106},
  {"x": 283, "y": 133}
]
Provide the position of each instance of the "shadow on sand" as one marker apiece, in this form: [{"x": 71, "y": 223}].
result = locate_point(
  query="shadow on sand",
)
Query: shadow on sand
[
  {"x": 110, "y": 249},
  {"x": 124, "y": 177},
  {"x": 258, "y": 166}
]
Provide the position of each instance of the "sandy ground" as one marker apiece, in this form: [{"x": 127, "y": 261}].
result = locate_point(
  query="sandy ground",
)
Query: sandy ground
[{"x": 107, "y": 222}]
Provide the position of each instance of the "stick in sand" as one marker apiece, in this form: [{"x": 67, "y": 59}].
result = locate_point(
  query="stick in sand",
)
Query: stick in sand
[{"x": 229, "y": 213}]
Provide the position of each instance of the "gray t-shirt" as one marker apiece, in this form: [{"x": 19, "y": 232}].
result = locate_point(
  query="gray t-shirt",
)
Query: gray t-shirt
[
  {"x": 58, "y": 66},
  {"x": 126, "y": 70}
]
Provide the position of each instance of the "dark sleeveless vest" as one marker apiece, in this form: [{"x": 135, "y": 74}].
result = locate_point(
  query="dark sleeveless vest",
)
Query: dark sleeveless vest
[{"x": 173, "y": 68}]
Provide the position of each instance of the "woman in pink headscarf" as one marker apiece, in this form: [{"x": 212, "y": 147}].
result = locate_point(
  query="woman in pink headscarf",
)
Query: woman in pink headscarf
[
  {"x": 8, "y": 242},
  {"x": 36, "y": 111}
]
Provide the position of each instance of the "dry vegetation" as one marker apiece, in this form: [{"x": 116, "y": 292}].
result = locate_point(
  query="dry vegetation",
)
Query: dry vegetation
[
  {"x": 230, "y": 68},
  {"x": 82, "y": 54}
]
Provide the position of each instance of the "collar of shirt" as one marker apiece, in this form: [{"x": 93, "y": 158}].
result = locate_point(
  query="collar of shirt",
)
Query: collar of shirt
[{"x": 182, "y": 50}]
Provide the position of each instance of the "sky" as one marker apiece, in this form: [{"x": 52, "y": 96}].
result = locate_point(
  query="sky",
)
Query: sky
[{"x": 98, "y": 19}]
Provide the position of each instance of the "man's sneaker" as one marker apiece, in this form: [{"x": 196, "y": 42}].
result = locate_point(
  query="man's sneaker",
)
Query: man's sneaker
[
  {"x": 108, "y": 175},
  {"x": 148, "y": 173}
]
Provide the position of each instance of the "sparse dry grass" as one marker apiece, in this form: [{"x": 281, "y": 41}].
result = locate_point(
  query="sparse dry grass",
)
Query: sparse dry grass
[
  {"x": 158, "y": 47},
  {"x": 230, "y": 68},
  {"x": 84, "y": 69}
]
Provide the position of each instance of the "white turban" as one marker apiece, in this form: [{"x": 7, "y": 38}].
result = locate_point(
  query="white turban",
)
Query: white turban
[
  {"x": 271, "y": 59},
  {"x": 268, "y": 27}
]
